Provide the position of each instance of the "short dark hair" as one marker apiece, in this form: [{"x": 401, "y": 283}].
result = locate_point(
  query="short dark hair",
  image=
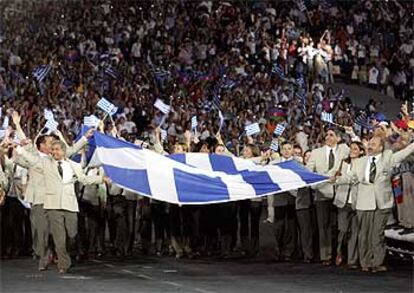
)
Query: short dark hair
[{"x": 40, "y": 140}]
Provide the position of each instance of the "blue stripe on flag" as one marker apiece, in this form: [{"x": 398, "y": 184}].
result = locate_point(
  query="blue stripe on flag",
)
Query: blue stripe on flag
[
  {"x": 301, "y": 171},
  {"x": 138, "y": 179},
  {"x": 201, "y": 189},
  {"x": 179, "y": 158},
  {"x": 260, "y": 181},
  {"x": 113, "y": 143},
  {"x": 223, "y": 164}
]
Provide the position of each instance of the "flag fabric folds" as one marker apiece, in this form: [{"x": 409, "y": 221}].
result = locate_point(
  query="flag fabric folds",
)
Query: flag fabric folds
[
  {"x": 195, "y": 178},
  {"x": 160, "y": 105},
  {"x": 41, "y": 72}
]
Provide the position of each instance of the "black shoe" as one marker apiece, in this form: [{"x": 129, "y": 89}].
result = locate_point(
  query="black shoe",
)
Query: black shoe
[{"x": 406, "y": 231}]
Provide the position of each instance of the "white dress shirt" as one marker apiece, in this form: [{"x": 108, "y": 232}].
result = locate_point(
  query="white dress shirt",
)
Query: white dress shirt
[{"x": 68, "y": 173}]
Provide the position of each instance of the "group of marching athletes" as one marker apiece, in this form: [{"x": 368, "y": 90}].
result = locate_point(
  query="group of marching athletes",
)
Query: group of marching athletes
[{"x": 341, "y": 221}]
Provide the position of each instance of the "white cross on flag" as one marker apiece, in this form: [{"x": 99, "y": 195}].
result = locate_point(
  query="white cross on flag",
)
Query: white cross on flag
[{"x": 280, "y": 128}]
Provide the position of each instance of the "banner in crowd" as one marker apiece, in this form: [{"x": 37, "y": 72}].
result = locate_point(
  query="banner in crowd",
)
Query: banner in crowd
[{"x": 195, "y": 178}]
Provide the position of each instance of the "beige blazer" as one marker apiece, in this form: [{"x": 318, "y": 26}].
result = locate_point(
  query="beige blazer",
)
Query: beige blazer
[
  {"x": 35, "y": 190},
  {"x": 318, "y": 162},
  {"x": 57, "y": 195},
  {"x": 345, "y": 188},
  {"x": 379, "y": 194}
]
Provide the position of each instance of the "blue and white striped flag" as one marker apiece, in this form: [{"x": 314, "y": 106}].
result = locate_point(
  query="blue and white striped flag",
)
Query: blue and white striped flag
[
  {"x": 300, "y": 81},
  {"x": 327, "y": 117},
  {"x": 274, "y": 146},
  {"x": 160, "y": 105},
  {"x": 5, "y": 122},
  {"x": 280, "y": 128},
  {"x": 51, "y": 124},
  {"x": 41, "y": 72},
  {"x": 107, "y": 106},
  {"x": 195, "y": 178},
  {"x": 48, "y": 114},
  {"x": 111, "y": 71},
  {"x": 91, "y": 121},
  {"x": 252, "y": 129},
  {"x": 301, "y": 5},
  {"x": 163, "y": 134},
  {"x": 278, "y": 70},
  {"x": 194, "y": 122}
]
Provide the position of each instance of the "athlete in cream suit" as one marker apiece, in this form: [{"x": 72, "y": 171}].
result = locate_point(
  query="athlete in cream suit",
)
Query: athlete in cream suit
[
  {"x": 326, "y": 161},
  {"x": 375, "y": 200},
  {"x": 60, "y": 202}
]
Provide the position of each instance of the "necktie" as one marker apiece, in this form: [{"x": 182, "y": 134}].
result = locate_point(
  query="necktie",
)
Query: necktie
[
  {"x": 60, "y": 169},
  {"x": 372, "y": 170},
  {"x": 331, "y": 162}
]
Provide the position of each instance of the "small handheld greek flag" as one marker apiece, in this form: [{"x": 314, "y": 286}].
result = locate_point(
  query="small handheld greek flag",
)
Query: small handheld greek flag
[
  {"x": 48, "y": 114},
  {"x": 301, "y": 5},
  {"x": 280, "y": 128},
  {"x": 41, "y": 72},
  {"x": 91, "y": 121},
  {"x": 252, "y": 129},
  {"x": 2, "y": 133},
  {"x": 278, "y": 70},
  {"x": 163, "y": 133},
  {"x": 221, "y": 120},
  {"x": 5, "y": 122},
  {"x": 51, "y": 124},
  {"x": 107, "y": 106},
  {"x": 274, "y": 146},
  {"x": 194, "y": 122},
  {"x": 327, "y": 117},
  {"x": 160, "y": 105}
]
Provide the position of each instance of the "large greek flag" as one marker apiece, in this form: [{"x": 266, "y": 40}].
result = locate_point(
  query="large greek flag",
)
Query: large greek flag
[{"x": 195, "y": 178}]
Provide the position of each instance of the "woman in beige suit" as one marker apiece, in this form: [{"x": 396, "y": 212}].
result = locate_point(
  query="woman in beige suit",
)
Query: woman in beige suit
[{"x": 345, "y": 199}]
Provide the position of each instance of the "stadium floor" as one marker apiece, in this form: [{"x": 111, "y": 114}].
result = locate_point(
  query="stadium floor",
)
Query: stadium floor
[{"x": 151, "y": 274}]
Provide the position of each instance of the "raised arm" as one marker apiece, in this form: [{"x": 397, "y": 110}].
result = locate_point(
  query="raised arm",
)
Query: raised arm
[{"x": 401, "y": 155}]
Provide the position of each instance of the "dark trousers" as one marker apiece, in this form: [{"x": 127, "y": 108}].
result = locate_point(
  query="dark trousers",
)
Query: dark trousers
[
  {"x": 249, "y": 213},
  {"x": 95, "y": 216},
  {"x": 14, "y": 220},
  {"x": 227, "y": 226},
  {"x": 117, "y": 223},
  {"x": 285, "y": 231},
  {"x": 145, "y": 224},
  {"x": 327, "y": 222},
  {"x": 159, "y": 217},
  {"x": 305, "y": 221},
  {"x": 131, "y": 217},
  {"x": 209, "y": 226}
]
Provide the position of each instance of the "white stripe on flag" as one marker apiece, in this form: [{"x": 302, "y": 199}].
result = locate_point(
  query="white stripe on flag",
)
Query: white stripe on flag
[
  {"x": 252, "y": 129},
  {"x": 160, "y": 105}
]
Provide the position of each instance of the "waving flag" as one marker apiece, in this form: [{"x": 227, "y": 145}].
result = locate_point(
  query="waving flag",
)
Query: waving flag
[
  {"x": 195, "y": 178},
  {"x": 91, "y": 121},
  {"x": 301, "y": 5},
  {"x": 107, "y": 106},
  {"x": 278, "y": 70},
  {"x": 274, "y": 146},
  {"x": 194, "y": 122},
  {"x": 111, "y": 71},
  {"x": 327, "y": 117},
  {"x": 51, "y": 124},
  {"x": 252, "y": 129},
  {"x": 41, "y": 72},
  {"x": 160, "y": 105},
  {"x": 280, "y": 128}
]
